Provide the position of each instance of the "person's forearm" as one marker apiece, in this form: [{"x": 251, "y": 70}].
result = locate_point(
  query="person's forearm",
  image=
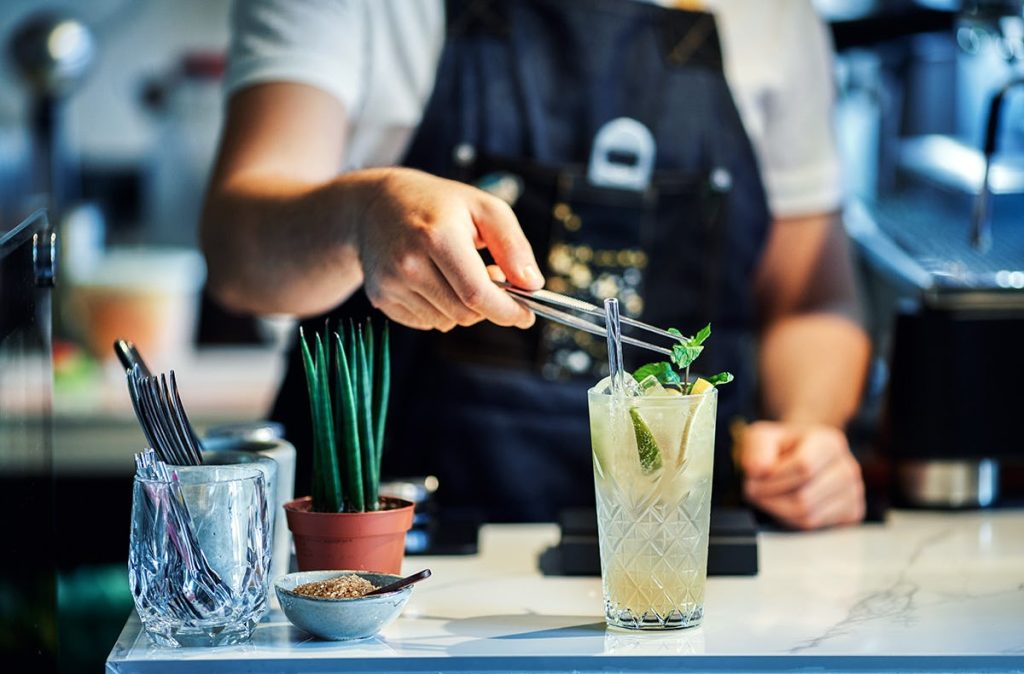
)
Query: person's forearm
[
  {"x": 278, "y": 247},
  {"x": 797, "y": 464},
  {"x": 812, "y": 368}
]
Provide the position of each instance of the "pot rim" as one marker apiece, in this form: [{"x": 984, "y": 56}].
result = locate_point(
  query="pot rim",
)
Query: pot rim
[{"x": 295, "y": 506}]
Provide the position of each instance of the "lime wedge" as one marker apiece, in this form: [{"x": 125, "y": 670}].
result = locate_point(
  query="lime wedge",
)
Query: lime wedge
[{"x": 647, "y": 447}]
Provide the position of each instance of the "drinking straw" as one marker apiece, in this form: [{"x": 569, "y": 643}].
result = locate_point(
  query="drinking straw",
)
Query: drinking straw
[{"x": 614, "y": 329}]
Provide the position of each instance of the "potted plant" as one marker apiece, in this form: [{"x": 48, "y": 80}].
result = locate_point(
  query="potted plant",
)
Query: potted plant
[{"x": 345, "y": 523}]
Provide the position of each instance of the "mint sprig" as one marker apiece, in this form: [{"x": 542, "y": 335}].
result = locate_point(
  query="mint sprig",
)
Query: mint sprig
[
  {"x": 688, "y": 348},
  {"x": 683, "y": 354}
]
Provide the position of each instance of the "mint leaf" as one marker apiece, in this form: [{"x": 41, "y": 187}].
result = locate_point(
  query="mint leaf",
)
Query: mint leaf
[
  {"x": 663, "y": 371},
  {"x": 699, "y": 338},
  {"x": 721, "y": 378},
  {"x": 684, "y": 354},
  {"x": 676, "y": 333}
]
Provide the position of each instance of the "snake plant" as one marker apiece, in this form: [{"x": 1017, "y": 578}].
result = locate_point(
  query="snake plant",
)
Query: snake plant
[{"x": 349, "y": 381}]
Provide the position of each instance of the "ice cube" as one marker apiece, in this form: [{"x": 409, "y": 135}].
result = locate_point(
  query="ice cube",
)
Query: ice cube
[
  {"x": 650, "y": 386},
  {"x": 629, "y": 384}
]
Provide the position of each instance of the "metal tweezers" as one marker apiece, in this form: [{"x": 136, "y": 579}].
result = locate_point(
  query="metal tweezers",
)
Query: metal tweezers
[{"x": 549, "y": 304}]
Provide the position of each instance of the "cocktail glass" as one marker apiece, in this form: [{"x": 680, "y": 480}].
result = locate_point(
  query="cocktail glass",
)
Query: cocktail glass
[{"x": 653, "y": 458}]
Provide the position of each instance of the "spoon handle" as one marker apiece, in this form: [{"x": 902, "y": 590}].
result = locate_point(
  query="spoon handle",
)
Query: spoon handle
[{"x": 399, "y": 584}]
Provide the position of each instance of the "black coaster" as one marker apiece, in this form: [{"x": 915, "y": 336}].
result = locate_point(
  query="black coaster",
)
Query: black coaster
[
  {"x": 444, "y": 531},
  {"x": 732, "y": 549}
]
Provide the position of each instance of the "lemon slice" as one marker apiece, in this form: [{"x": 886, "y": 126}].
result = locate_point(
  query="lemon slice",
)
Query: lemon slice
[
  {"x": 701, "y": 386},
  {"x": 696, "y": 417}
]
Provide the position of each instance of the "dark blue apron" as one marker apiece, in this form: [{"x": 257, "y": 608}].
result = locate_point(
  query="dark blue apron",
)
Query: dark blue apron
[{"x": 498, "y": 414}]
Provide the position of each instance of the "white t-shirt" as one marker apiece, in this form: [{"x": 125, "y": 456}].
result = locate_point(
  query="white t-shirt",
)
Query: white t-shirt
[{"x": 379, "y": 58}]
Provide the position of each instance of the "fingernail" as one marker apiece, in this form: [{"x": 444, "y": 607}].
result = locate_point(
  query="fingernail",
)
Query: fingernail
[{"x": 531, "y": 276}]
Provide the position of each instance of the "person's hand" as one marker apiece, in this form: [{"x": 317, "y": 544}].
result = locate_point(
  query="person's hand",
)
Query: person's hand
[
  {"x": 804, "y": 476},
  {"x": 418, "y": 239}
]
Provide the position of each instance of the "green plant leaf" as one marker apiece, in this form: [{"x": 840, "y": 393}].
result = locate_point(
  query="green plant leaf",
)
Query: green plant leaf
[
  {"x": 318, "y": 489},
  {"x": 345, "y": 415},
  {"x": 348, "y": 431},
  {"x": 350, "y": 348},
  {"x": 663, "y": 371},
  {"x": 382, "y": 392},
  {"x": 364, "y": 405},
  {"x": 370, "y": 355},
  {"x": 721, "y": 378},
  {"x": 332, "y": 479}
]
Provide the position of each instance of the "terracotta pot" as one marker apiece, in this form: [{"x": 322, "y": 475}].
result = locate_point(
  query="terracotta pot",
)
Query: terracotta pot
[{"x": 370, "y": 541}]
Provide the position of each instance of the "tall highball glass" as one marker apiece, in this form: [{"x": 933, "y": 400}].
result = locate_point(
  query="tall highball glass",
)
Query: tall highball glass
[{"x": 653, "y": 458}]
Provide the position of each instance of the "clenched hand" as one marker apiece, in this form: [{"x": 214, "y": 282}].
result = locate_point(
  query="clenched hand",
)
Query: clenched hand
[{"x": 803, "y": 475}]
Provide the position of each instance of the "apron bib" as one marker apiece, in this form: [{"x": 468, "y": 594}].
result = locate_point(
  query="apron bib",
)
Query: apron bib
[{"x": 499, "y": 415}]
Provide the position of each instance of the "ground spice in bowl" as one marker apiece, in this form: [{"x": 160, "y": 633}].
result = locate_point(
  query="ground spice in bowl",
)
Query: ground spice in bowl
[{"x": 349, "y": 586}]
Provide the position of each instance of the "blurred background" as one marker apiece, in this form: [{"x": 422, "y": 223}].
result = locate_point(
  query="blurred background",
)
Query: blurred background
[{"x": 109, "y": 115}]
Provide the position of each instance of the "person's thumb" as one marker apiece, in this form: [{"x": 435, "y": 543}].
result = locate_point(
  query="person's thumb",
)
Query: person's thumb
[{"x": 760, "y": 446}]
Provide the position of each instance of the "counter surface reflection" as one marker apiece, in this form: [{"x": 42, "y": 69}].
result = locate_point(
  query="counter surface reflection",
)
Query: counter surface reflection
[{"x": 923, "y": 592}]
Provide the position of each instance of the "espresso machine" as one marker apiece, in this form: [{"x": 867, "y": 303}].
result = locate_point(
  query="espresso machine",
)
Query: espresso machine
[{"x": 949, "y": 237}]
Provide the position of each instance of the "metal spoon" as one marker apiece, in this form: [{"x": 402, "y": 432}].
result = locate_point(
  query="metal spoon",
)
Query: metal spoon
[{"x": 399, "y": 584}]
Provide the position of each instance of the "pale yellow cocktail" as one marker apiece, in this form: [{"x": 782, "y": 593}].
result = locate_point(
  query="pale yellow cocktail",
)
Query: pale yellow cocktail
[{"x": 653, "y": 458}]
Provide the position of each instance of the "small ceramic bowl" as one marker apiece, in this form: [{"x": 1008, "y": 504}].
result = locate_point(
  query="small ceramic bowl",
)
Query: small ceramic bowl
[{"x": 340, "y": 619}]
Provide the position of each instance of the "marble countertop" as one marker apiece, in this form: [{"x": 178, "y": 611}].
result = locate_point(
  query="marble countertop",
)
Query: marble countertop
[{"x": 922, "y": 592}]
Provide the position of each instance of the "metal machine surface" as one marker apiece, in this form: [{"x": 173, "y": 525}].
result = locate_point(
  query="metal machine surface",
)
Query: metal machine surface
[
  {"x": 955, "y": 357},
  {"x": 955, "y": 363},
  {"x": 27, "y": 569},
  {"x": 948, "y": 240}
]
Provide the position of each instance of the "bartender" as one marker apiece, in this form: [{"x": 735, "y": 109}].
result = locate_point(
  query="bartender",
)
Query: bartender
[{"x": 354, "y": 136}]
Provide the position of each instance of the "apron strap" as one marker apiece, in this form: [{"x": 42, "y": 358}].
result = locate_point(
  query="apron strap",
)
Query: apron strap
[{"x": 490, "y": 18}]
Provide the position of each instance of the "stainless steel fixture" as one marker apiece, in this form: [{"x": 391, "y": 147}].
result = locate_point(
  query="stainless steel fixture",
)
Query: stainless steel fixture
[
  {"x": 946, "y": 244},
  {"x": 949, "y": 484},
  {"x": 52, "y": 52},
  {"x": 981, "y": 221}
]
